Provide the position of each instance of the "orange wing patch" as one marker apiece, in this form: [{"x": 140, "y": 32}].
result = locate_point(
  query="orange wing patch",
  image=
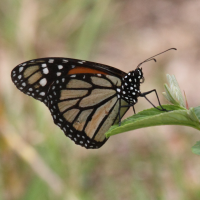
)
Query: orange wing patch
[{"x": 85, "y": 70}]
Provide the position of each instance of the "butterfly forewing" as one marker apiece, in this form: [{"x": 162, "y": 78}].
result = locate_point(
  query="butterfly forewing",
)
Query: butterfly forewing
[
  {"x": 81, "y": 95},
  {"x": 34, "y": 77}
]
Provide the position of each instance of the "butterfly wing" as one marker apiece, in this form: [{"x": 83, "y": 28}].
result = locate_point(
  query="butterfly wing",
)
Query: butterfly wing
[
  {"x": 34, "y": 77},
  {"x": 81, "y": 95}
]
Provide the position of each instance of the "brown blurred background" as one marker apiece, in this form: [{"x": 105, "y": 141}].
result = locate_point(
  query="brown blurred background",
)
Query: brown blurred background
[{"x": 37, "y": 161}]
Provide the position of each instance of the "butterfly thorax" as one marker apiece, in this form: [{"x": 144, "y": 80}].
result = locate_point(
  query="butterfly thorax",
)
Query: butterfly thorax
[{"x": 130, "y": 88}]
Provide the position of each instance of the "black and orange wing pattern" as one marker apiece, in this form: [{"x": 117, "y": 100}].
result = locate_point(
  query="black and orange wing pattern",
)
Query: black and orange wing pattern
[{"x": 83, "y": 97}]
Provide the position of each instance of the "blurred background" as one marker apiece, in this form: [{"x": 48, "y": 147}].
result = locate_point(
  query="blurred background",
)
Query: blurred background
[{"x": 37, "y": 161}]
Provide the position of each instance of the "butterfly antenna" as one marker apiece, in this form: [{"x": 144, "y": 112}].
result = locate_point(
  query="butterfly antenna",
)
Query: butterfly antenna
[{"x": 152, "y": 57}]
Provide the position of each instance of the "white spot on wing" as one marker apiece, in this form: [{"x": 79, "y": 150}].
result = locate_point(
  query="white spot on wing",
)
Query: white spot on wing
[
  {"x": 21, "y": 69},
  {"x": 45, "y": 71},
  {"x": 60, "y": 66},
  {"x": 20, "y": 76},
  {"x": 42, "y": 93},
  {"x": 51, "y": 60},
  {"x": 58, "y": 73},
  {"x": 44, "y": 65},
  {"x": 43, "y": 82}
]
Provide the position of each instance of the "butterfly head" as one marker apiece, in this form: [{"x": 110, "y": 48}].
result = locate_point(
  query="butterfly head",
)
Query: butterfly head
[{"x": 136, "y": 76}]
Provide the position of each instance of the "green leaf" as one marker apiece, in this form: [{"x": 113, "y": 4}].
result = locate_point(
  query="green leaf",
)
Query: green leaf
[
  {"x": 197, "y": 112},
  {"x": 173, "y": 92},
  {"x": 196, "y": 148},
  {"x": 152, "y": 117}
]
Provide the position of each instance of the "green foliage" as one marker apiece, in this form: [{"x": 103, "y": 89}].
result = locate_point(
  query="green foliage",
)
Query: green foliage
[
  {"x": 177, "y": 114},
  {"x": 196, "y": 148}
]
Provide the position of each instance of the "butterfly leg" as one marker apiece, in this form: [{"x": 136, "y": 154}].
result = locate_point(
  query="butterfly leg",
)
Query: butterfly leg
[
  {"x": 120, "y": 106},
  {"x": 134, "y": 110},
  {"x": 144, "y": 95},
  {"x": 119, "y": 112}
]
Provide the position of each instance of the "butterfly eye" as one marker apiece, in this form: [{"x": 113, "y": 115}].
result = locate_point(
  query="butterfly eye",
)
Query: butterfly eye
[{"x": 143, "y": 79}]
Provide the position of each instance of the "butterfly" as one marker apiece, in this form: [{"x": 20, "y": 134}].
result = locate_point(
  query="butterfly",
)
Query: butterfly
[{"x": 85, "y": 98}]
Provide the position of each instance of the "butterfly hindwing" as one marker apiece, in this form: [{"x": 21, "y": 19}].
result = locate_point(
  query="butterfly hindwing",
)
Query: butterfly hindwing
[{"x": 84, "y": 106}]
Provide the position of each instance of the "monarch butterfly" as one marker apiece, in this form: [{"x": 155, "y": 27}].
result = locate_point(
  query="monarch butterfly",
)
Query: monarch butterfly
[{"x": 84, "y": 98}]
